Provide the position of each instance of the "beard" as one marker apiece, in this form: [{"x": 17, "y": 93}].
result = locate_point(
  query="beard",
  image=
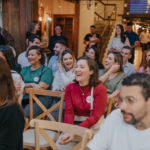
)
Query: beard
[{"x": 140, "y": 115}]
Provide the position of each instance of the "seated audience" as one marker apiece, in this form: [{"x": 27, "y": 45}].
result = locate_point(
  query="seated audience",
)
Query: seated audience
[
  {"x": 37, "y": 76},
  {"x": 55, "y": 38},
  {"x": 144, "y": 66},
  {"x": 93, "y": 53},
  {"x": 78, "y": 100},
  {"x": 11, "y": 116},
  {"x": 127, "y": 128},
  {"x": 7, "y": 54},
  {"x": 66, "y": 71},
  {"x": 6, "y": 38},
  {"x": 113, "y": 74},
  {"x": 53, "y": 62},
  {"x": 33, "y": 40},
  {"x": 127, "y": 54},
  {"x": 119, "y": 41}
]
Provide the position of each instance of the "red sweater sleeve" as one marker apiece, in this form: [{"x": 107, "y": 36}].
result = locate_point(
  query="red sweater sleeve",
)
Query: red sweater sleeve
[
  {"x": 69, "y": 108},
  {"x": 99, "y": 104}
]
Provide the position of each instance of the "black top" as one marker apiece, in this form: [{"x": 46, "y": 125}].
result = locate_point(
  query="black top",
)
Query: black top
[
  {"x": 100, "y": 65},
  {"x": 11, "y": 127},
  {"x": 54, "y": 39},
  {"x": 87, "y": 38},
  {"x": 18, "y": 67},
  {"x": 28, "y": 34},
  {"x": 2, "y": 40}
]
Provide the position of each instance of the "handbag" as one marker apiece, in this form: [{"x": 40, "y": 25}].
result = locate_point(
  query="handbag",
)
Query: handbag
[{"x": 83, "y": 118}]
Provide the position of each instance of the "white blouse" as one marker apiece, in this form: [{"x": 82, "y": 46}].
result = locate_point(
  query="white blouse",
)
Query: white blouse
[
  {"x": 19, "y": 84},
  {"x": 117, "y": 44}
]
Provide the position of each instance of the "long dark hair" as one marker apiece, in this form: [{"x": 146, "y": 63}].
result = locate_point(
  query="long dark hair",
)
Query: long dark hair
[
  {"x": 94, "y": 80},
  {"x": 144, "y": 62},
  {"x": 32, "y": 25},
  {"x": 96, "y": 53},
  {"x": 7, "y": 52},
  {"x": 118, "y": 58},
  {"x": 123, "y": 38},
  {"x": 7, "y": 89}
]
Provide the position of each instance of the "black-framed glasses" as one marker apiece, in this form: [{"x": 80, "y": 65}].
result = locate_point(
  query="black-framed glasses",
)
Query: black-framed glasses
[{"x": 130, "y": 100}]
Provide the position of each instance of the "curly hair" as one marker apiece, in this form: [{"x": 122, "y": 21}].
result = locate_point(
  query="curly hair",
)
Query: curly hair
[
  {"x": 139, "y": 79},
  {"x": 94, "y": 80},
  {"x": 39, "y": 51}
]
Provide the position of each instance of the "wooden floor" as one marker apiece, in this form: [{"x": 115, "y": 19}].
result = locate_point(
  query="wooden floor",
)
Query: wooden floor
[{"x": 138, "y": 58}]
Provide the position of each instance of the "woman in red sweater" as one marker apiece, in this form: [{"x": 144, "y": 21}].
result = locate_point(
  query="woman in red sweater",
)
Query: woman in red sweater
[{"x": 78, "y": 99}]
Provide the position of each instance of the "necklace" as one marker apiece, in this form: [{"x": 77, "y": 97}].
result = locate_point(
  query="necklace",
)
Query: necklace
[{"x": 82, "y": 91}]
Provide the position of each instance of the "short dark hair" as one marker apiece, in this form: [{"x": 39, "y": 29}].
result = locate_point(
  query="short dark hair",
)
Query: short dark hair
[
  {"x": 39, "y": 52},
  {"x": 59, "y": 26},
  {"x": 129, "y": 48},
  {"x": 63, "y": 42},
  {"x": 96, "y": 53},
  {"x": 94, "y": 80},
  {"x": 92, "y": 26},
  {"x": 129, "y": 24},
  {"x": 33, "y": 37},
  {"x": 140, "y": 79}
]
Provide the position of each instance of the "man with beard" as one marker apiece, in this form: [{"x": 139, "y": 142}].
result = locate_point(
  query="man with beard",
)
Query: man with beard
[
  {"x": 53, "y": 62},
  {"x": 127, "y": 128}
]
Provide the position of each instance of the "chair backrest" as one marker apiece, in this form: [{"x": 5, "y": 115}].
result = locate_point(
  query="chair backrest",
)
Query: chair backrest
[
  {"x": 111, "y": 102},
  {"x": 40, "y": 125},
  {"x": 46, "y": 112}
]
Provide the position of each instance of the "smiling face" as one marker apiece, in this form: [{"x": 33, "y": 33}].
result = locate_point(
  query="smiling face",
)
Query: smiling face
[
  {"x": 91, "y": 54},
  {"x": 82, "y": 71},
  {"x": 133, "y": 112},
  {"x": 126, "y": 55},
  {"x": 58, "y": 48},
  {"x": 148, "y": 56},
  {"x": 109, "y": 61},
  {"x": 68, "y": 61},
  {"x": 2, "y": 56},
  {"x": 118, "y": 30},
  {"x": 36, "y": 42},
  {"x": 33, "y": 57},
  {"x": 37, "y": 27}
]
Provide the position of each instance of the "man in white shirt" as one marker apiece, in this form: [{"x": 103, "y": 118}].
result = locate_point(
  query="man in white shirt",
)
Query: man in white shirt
[
  {"x": 33, "y": 40},
  {"x": 144, "y": 38},
  {"x": 127, "y": 54},
  {"x": 127, "y": 128},
  {"x": 53, "y": 62}
]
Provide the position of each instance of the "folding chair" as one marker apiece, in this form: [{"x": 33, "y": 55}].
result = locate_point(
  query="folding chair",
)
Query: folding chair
[
  {"x": 28, "y": 135},
  {"x": 83, "y": 134}
]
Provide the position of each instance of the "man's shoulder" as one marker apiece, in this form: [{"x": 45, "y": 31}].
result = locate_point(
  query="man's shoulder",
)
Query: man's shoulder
[
  {"x": 22, "y": 54},
  {"x": 131, "y": 65},
  {"x": 54, "y": 58}
]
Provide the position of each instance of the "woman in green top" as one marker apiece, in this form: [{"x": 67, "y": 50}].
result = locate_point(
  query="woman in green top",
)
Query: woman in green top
[
  {"x": 37, "y": 76},
  {"x": 113, "y": 74}
]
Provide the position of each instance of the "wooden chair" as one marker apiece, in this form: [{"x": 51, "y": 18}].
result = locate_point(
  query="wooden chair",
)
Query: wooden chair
[
  {"x": 28, "y": 135},
  {"x": 112, "y": 101},
  {"x": 83, "y": 134}
]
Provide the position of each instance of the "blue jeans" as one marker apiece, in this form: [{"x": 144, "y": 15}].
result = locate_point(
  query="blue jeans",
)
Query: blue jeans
[{"x": 45, "y": 100}]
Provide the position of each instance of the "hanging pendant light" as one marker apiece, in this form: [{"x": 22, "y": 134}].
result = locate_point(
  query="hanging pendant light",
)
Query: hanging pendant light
[{"x": 148, "y": 1}]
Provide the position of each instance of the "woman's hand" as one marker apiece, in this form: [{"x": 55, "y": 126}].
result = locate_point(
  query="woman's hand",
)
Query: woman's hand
[
  {"x": 110, "y": 50},
  {"x": 37, "y": 86},
  {"x": 114, "y": 68},
  {"x": 66, "y": 138},
  {"x": 60, "y": 67}
]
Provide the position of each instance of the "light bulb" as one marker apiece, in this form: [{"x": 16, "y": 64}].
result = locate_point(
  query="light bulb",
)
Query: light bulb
[{"x": 40, "y": 18}]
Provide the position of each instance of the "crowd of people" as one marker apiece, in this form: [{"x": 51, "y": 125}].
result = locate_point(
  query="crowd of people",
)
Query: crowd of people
[{"x": 88, "y": 86}]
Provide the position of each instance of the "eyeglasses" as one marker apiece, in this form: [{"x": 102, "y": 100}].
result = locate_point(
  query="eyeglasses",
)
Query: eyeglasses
[{"x": 129, "y": 100}]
